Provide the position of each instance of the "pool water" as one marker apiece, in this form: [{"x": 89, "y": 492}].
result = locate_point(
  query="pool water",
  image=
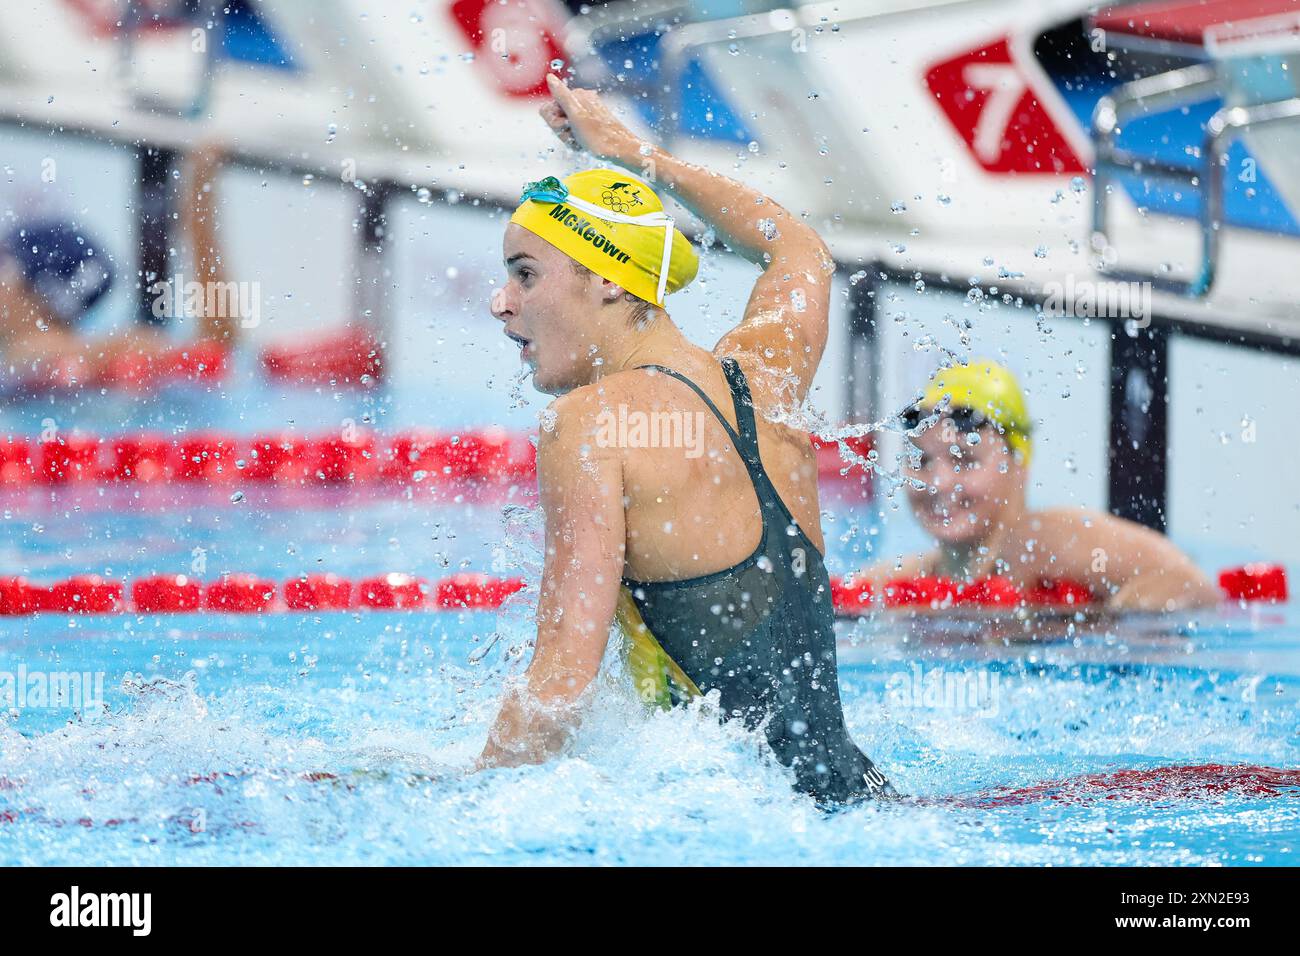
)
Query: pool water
[
  {"x": 334, "y": 738},
  {"x": 338, "y": 738}
]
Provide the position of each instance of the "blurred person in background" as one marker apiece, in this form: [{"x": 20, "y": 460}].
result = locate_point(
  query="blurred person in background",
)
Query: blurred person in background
[{"x": 52, "y": 273}]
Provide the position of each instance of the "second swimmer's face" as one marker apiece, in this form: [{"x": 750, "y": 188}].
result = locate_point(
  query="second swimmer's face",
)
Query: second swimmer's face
[
  {"x": 550, "y": 310},
  {"x": 969, "y": 481}
]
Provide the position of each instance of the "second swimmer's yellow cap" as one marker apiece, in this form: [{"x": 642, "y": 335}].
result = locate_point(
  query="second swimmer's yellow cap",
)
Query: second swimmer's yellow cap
[
  {"x": 988, "y": 389},
  {"x": 614, "y": 224}
]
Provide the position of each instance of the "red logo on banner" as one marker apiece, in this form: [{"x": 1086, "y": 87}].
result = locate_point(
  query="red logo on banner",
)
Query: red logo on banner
[
  {"x": 107, "y": 17},
  {"x": 988, "y": 100},
  {"x": 513, "y": 40}
]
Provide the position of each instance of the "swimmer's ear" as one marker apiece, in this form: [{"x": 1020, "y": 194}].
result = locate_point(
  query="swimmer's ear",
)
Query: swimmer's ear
[{"x": 611, "y": 291}]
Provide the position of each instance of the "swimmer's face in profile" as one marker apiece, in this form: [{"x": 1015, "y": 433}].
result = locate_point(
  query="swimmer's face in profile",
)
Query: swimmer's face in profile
[
  {"x": 552, "y": 311},
  {"x": 971, "y": 480}
]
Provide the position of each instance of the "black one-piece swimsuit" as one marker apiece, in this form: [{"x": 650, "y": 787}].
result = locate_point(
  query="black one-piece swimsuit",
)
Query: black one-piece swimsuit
[{"x": 761, "y": 633}]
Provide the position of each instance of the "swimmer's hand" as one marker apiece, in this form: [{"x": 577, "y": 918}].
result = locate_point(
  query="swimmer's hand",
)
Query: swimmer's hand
[{"x": 581, "y": 120}]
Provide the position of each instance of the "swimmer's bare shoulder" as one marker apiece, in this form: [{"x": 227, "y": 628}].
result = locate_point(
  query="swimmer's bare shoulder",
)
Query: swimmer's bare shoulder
[{"x": 1139, "y": 568}]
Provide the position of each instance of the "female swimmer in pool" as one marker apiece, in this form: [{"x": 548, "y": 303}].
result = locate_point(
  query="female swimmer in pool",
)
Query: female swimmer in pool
[
  {"x": 707, "y": 547},
  {"x": 973, "y": 431}
]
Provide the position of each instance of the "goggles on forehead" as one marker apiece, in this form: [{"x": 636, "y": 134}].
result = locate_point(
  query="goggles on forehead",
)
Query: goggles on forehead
[{"x": 551, "y": 190}]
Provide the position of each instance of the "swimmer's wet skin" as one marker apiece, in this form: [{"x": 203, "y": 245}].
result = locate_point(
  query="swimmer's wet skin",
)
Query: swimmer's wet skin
[
  {"x": 972, "y": 429},
  {"x": 590, "y": 260}
]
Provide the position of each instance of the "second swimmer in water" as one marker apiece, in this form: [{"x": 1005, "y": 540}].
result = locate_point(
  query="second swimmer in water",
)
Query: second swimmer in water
[
  {"x": 674, "y": 501},
  {"x": 974, "y": 440}
]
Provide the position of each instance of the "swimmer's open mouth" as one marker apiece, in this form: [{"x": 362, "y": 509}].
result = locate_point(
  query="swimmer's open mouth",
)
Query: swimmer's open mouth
[{"x": 519, "y": 340}]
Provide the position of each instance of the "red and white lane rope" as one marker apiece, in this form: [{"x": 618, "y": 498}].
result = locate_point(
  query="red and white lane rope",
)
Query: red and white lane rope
[
  {"x": 251, "y": 594},
  {"x": 488, "y": 454}
]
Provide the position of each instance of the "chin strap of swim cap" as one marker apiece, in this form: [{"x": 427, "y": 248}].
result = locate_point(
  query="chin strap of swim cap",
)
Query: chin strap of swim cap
[{"x": 551, "y": 189}]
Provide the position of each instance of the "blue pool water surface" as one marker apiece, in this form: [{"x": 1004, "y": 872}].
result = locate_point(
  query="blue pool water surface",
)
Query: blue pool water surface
[{"x": 338, "y": 738}]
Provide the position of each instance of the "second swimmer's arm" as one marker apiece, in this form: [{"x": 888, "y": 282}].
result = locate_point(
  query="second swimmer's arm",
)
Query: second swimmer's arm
[
  {"x": 582, "y": 498},
  {"x": 1142, "y": 569},
  {"x": 221, "y": 323}
]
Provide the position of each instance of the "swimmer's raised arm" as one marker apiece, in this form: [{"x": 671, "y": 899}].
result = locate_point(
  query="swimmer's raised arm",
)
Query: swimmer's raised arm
[
  {"x": 786, "y": 319},
  {"x": 581, "y": 487},
  {"x": 221, "y": 322}
]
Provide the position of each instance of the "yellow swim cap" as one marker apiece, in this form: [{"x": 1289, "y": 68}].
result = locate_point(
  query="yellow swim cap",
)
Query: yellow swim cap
[
  {"x": 990, "y": 389},
  {"x": 613, "y": 224}
]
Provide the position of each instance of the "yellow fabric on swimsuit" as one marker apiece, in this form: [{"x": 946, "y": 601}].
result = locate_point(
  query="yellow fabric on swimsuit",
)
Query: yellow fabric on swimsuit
[{"x": 655, "y": 675}]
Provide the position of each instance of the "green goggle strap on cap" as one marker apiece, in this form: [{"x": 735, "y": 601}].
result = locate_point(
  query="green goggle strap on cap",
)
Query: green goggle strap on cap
[{"x": 551, "y": 190}]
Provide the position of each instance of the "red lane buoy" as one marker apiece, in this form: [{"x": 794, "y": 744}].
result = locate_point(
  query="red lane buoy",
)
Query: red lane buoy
[
  {"x": 475, "y": 591},
  {"x": 479, "y": 455},
  {"x": 830, "y": 462},
  {"x": 193, "y": 362},
  {"x": 269, "y": 458},
  {"x": 852, "y": 597},
  {"x": 392, "y": 591},
  {"x": 68, "y": 458},
  {"x": 932, "y": 593},
  {"x": 318, "y": 592},
  {"x": 1254, "y": 582},
  {"x": 17, "y": 596},
  {"x": 1059, "y": 594},
  {"x": 208, "y": 457},
  {"x": 412, "y": 456},
  {"x": 240, "y": 593},
  {"x": 143, "y": 458},
  {"x": 84, "y": 594},
  {"x": 166, "y": 593},
  {"x": 335, "y": 460},
  {"x": 16, "y": 467},
  {"x": 990, "y": 592},
  {"x": 352, "y": 357}
]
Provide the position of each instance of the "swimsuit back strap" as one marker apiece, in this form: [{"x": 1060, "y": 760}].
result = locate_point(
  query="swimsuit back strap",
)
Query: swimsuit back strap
[
  {"x": 731, "y": 432},
  {"x": 743, "y": 402}
]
